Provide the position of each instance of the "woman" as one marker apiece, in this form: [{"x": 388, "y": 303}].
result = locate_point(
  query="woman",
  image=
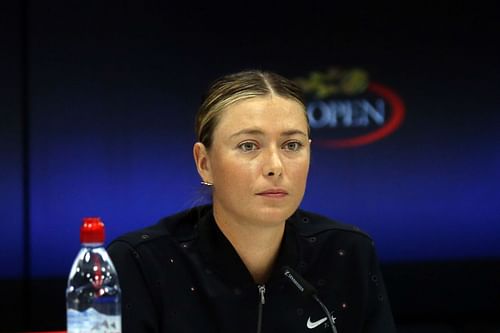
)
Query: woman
[{"x": 237, "y": 265}]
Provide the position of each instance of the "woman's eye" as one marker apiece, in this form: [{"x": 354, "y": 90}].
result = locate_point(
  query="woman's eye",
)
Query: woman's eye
[
  {"x": 293, "y": 145},
  {"x": 247, "y": 146}
]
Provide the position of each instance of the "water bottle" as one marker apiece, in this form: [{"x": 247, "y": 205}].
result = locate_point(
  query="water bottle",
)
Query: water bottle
[{"x": 93, "y": 295}]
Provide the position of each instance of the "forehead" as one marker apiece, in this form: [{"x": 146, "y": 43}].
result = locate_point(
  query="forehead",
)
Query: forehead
[{"x": 269, "y": 113}]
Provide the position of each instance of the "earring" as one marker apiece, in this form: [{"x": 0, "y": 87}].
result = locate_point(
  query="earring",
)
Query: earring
[{"x": 206, "y": 183}]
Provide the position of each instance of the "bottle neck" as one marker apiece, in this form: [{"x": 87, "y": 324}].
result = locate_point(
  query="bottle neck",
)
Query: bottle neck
[{"x": 93, "y": 245}]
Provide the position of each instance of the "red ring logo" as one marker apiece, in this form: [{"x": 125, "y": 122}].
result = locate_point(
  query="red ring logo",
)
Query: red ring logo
[{"x": 394, "y": 122}]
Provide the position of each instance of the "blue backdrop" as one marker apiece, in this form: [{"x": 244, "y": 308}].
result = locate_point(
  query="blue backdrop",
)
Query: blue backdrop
[{"x": 112, "y": 96}]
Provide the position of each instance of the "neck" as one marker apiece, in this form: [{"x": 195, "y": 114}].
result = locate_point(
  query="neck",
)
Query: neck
[{"x": 256, "y": 245}]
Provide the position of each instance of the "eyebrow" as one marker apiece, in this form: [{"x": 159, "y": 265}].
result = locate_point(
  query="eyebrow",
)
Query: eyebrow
[{"x": 257, "y": 131}]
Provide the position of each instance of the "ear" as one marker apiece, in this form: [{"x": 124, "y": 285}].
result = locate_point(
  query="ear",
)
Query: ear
[{"x": 202, "y": 161}]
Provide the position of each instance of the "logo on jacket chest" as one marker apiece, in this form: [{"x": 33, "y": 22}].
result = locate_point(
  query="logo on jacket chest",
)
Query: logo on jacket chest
[{"x": 324, "y": 322}]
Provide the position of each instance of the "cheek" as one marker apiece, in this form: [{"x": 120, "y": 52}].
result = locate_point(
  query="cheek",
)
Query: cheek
[
  {"x": 300, "y": 169},
  {"x": 303, "y": 177},
  {"x": 232, "y": 172}
]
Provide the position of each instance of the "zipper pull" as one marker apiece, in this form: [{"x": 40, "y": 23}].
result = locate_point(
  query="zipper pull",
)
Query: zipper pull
[{"x": 262, "y": 291}]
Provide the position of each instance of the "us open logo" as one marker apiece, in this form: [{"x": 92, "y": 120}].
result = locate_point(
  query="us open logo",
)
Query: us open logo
[{"x": 346, "y": 109}]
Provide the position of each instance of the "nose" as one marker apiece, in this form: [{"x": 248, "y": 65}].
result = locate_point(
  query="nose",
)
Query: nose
[{"x": 273, "y": 165}]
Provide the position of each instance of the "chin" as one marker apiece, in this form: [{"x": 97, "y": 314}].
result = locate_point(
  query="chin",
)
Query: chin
[{"x": 274, "y": 215}]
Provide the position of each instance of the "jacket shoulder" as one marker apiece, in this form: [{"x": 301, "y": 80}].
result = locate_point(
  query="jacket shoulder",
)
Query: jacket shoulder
[
  {"x": 310, "y": 224},
  {"x": 180, "y": 226}
]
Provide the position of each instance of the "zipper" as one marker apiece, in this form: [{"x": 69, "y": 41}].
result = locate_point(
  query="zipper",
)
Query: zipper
[{"x": 262, "y": 291}]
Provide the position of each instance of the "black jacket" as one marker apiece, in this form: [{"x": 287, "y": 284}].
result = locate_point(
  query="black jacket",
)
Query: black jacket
[{"x": 183, "y": 275}]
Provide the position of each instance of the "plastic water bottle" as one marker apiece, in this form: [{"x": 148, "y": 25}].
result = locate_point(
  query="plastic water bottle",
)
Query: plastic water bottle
[{"x": 93, "y": 295}]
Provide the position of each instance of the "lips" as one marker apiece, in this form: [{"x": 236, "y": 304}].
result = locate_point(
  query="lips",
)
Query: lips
[{"x": 273, "y": 193}]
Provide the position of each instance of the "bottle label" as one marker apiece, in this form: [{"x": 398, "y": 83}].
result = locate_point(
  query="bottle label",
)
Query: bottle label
[{"x": 92, "y": 321}]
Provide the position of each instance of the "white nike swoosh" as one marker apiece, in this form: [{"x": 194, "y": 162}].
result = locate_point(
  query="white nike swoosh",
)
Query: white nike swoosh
[{"x": 311, "y": 325}]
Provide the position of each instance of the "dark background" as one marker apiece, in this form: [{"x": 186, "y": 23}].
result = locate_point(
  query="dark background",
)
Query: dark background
[{"x": 96, "y": 117}]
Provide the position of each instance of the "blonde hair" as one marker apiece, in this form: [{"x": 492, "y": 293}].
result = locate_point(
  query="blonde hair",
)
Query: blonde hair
[{"x": 236, "y": 87}]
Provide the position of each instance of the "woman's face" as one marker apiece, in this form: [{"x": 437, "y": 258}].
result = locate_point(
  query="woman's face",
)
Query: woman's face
[{"x": 258, "y": 161}]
